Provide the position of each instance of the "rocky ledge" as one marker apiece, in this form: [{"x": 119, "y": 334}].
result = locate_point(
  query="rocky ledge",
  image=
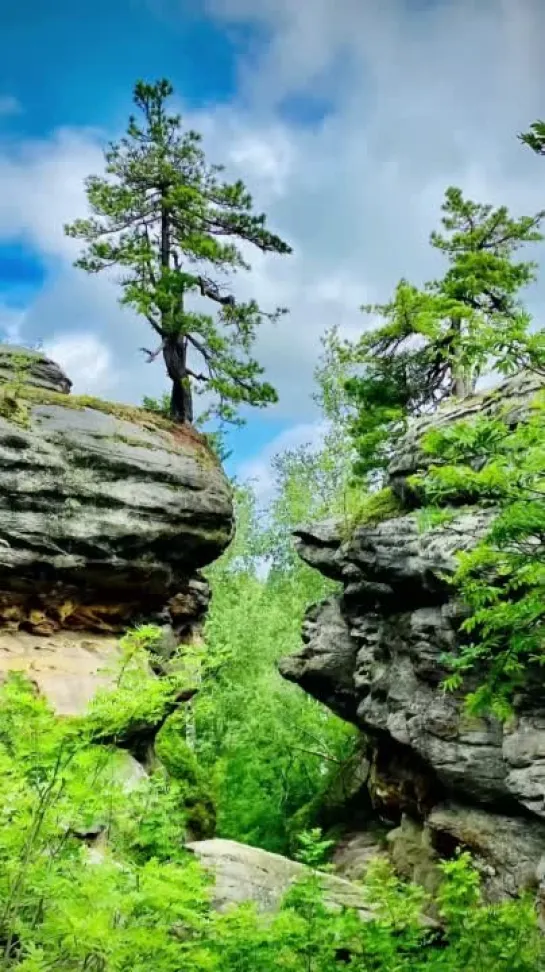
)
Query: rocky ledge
[
  {"x": 107, "y": 512},
  {"x": 439, "y": 778}
]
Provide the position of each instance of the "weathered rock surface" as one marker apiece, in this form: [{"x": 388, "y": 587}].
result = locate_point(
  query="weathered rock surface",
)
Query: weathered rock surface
[
  {"x": 244, "y": 873},
  {"x": 105, "y": 515},
  {"x": 374, "y": 654},
  {"x": 355, "y": 852},
  {"x": 66, "y": 667},
  {"x": 510, "y": 400},
  {"x": 32, "y": 367}
]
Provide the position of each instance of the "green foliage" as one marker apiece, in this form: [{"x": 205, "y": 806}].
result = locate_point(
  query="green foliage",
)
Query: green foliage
[
  {"x": 278, "y": 759},
  {"x": 438, "y": 340},
  {"x": 138, "y": 901},
  {"x": 140, "y": 700},
  {"x": 12, "y": 404},
  {"x": 492, "y": 938},
  {"x": 535, "y": 137},
  {"x": 313, "y": 849},
  {"x": 166, "y": 218},
  {"x": 274, "y": 753},
  {"x": 161, "y": 406},
  {"x": 372, "y": 508},
  {"x": 272, "y": 749},
  {"x": 194, "y": 792},
  {"x": 430, "y": 517},
  {"x": 58, "y": 908},
  {"x": 502, "y": 580},
  {"x": 474, "y": 936}
]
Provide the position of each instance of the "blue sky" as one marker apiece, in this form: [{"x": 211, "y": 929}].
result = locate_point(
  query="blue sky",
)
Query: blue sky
[
  {"x": 74, "y": 64},
  {"x": 346, "y": 118}
]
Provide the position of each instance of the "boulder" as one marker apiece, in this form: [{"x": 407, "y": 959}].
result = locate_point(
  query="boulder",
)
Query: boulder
[
  {"x": 244, "y": 873},
  {"x": 356, "y": 851},
  {"x": 107, "y": 512},
  {"x": 374, "y": 655},
  {"x": 26, "y": 366}
]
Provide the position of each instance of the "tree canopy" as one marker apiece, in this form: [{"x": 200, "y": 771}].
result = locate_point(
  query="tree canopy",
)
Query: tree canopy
[
  {"x": 167, "y": 219},
  {"x": 438, "y": 340}
]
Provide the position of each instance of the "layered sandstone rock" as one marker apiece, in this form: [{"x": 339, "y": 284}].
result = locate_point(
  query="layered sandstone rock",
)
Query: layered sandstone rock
[{"x": 107, "y": 515}]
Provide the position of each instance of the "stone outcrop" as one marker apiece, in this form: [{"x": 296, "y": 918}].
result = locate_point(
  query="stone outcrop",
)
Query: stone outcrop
[
  {"x": 107, "y": 513},
  {"x": 374, "y": 655},
  {"x": 21, "y": 365},
  {"x": 244, "y": 873}
]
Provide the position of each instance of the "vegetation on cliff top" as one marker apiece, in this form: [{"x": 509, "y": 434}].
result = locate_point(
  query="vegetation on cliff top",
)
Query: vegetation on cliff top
[
  {"x": 165, "y": 217},
  {"x": 437, "y": 341},
  {"x": 18, "y": 398}
]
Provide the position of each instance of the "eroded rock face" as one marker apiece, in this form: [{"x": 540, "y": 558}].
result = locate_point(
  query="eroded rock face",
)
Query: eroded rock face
[
  {"x": 105, "y": 517},
  {"x": 373, "y": 654}
]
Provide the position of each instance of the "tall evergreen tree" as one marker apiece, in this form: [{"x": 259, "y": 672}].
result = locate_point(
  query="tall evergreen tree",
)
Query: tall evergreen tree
[
  {"x": 437, "y": 341},
  {"x": 165, "y": 216}
]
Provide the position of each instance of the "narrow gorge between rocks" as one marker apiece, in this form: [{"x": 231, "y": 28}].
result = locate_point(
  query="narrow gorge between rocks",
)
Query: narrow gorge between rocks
[{"x": 109, "y": 515}]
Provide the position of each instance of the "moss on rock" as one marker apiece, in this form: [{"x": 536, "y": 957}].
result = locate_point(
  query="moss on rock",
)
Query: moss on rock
[
  {"x": 373, "y": 508},
  {"x": 18, "y": 400}
]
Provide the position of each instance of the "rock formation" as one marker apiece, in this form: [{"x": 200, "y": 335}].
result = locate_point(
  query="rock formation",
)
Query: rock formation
[
  {"x": 107, "y": 515},
  {"x": 373, "y": 654},
  {"x": 244, "y": 873}
]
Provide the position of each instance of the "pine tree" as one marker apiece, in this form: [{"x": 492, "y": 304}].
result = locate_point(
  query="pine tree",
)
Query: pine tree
[
  {"x": 535, "y": 137},
  {"x": 438, "y": 340},
  {"x": 164, "y": 216}
]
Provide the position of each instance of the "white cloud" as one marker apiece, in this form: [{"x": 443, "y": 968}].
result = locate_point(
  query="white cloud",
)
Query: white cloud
[
  {"x": 423, "y": 99},
  {"x": 41, "y": 188},
  {"x": 11, "y": 325},
  {"x": 9, "y": 105},
  {"x": 86, "y": 359}
]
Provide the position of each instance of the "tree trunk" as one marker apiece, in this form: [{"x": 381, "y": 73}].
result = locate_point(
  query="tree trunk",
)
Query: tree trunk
[
  {"x": 175, "y": 348},
  {"x": 463, "y": 383},
  {"x": 462, "y": 386},
  {"x": 181, "y": 399}
]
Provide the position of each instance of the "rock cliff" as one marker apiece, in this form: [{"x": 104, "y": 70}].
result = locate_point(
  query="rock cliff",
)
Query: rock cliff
[
  {"x": 439, "y": 778},
  {"x": 107, "y": 515}
]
